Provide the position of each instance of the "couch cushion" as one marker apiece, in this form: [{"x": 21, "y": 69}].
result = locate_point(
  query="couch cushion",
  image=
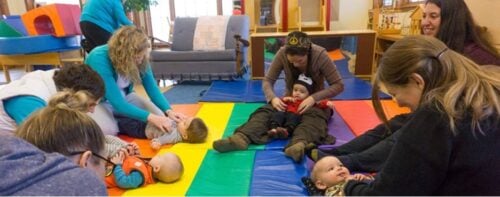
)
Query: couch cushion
[
  {"x": 182, "y": 38},
  {"x": 164, "y": 55}
]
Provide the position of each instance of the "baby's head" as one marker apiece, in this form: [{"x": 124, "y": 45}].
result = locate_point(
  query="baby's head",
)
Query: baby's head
[
  {"x": 302, "y": 87},
  {"x": 167, "y": 167},
  {"x": 328, "y": 171},
  {"x": 193, "y": 130}
]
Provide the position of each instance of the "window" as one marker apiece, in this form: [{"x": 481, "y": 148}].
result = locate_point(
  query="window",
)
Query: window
[
  {"x": 160, "y": 20},
  {"x": 387, "y": 3},
  {"x": 194, "y": 8}
]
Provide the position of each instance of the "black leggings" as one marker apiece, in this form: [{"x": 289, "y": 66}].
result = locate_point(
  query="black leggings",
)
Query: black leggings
[{"x": 94, "y": 35}]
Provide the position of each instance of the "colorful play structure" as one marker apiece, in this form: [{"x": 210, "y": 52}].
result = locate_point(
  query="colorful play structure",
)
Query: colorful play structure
[{"x": 40, "y": 36}]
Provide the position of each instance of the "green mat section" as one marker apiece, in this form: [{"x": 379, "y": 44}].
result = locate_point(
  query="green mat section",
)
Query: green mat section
[
  {"x": 7, "y": 31},
  {"x": 240, "y": 114},
  {"x": 218, "y": 172}
]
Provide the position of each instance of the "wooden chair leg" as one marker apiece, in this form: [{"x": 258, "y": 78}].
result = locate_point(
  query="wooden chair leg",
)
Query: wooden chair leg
[{"x": 6, "y": 73}]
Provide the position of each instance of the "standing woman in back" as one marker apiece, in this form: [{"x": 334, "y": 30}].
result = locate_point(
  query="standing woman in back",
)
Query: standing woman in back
[
  {"x": 451, "y": 144},
  {"x": 451, "y": 22},
  {"x": 99, "y": 19}
]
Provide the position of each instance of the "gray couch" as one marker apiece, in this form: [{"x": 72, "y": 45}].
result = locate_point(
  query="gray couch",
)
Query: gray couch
[{"x": 181, "y": 62}]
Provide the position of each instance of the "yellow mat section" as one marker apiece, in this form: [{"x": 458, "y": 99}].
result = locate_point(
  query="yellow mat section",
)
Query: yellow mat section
[{"x": 216, "y": 116}]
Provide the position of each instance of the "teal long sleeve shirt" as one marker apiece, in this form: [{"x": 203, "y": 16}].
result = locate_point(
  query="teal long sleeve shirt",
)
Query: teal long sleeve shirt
[
  {"x": 107, "y": 14},
  {"x": 99, "y": 61},
  {"x": 133, "y": 180},
  {"x": 20, "y": 107}
]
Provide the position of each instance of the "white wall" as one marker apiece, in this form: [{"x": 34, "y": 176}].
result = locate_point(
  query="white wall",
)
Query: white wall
[
  {"x": 353, "y": 15},
  {"x": 16, "y": 7},
  {"x": 485, "y": 13}
]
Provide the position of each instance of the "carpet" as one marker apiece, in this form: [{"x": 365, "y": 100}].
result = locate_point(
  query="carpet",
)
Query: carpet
[{"x": 187, "y": 92}]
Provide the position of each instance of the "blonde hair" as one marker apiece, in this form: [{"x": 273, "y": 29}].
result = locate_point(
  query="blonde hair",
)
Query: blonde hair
[
  {"x": 63, "y": 129},
  {"x": 453, "y": 83},
  {"x": 79, "y": 100},
  {"x": 125, "y": 44},
  {"x": 171, "y": 168}
]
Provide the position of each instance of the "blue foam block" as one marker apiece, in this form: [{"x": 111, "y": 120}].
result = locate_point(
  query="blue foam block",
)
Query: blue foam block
[
  {"x": 37, "y": 44},
  {"x": 274, "y": 174},
  {"x": 15, "y": 22},
  {"x": 343, "y": 68}
]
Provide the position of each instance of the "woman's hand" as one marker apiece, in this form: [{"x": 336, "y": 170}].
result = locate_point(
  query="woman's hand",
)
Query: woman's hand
[
  {"x": 360, "y": 177},
  {"x": 306, "y": 104},
  {"x": 177, "y": 117},
  {"x": 278, "y": 104},
  {"x": 161, "y": 122}
]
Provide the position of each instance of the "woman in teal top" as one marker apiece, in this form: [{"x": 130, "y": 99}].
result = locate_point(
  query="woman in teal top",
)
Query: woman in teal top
[
  {"x": 122, "y": 63},
  {"x": 99, "y": 19}
]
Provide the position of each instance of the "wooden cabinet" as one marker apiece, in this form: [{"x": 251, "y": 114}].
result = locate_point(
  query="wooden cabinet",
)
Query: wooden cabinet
[{"x": 382, "y": 43}]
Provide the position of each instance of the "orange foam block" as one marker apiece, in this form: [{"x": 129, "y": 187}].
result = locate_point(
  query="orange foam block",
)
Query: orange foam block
[
  {"x": 336, "y": 55},
  {"x": 59, "y": 20}
]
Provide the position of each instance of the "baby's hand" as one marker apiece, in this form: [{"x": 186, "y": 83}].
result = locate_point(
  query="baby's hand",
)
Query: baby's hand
[
  {"x": 329, "y": 104},
  {"x": 133, "y": 149},
  {"x": 118, "y": 158},
  {"x": 155, "y": 144}
]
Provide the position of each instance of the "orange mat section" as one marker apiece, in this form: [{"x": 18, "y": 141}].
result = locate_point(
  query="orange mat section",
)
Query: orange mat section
[
  {"x": 336, "y": 55},
  {"x": 146, "y": 150},
  {"x": 360, "y": 115},
  {"x": 391, "y": 108}
]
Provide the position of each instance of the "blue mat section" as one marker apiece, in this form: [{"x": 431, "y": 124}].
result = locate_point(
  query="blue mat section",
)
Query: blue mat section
[
  {"x": 274, "y": 174},
  {"x": 187, "y": 92},
  {"x": 251, "y": 91}
]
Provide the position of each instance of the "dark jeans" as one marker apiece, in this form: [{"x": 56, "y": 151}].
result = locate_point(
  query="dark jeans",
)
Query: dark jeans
[
  {"x": 368, "y": 152},
  {"x": 286, "y": 120},
  {"x": 131, "y": 127},
  {"x": 94, "y": 35}
]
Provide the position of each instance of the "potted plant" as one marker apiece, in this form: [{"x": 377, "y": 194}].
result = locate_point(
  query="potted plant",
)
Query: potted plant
[{"x": 138, "y": 5}]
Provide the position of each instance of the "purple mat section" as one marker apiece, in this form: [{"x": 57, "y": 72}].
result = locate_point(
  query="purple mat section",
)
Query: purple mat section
[{"x": 338, "y": 128}]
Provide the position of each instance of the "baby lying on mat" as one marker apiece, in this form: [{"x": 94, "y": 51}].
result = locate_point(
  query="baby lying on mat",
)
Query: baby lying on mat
[
  {"x": 188, "y": 129},
  {"x": 129, "y": 170},
  {"x": 329, "y": 177}
]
